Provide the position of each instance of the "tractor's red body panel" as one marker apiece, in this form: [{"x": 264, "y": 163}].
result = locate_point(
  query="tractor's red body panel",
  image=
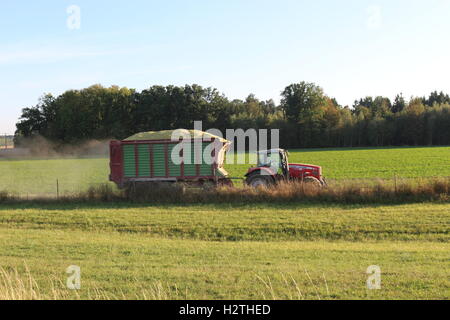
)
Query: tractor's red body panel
[{"x": 302, "y": 171}]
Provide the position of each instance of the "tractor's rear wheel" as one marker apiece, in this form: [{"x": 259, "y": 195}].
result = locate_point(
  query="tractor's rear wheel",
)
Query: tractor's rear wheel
[{"x": 259, "y": 181}]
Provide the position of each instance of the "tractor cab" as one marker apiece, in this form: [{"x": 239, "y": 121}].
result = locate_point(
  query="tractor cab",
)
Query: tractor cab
[{"x": 276, "y": 160}]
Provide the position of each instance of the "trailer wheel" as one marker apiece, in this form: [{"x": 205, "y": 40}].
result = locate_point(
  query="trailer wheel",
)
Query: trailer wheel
[
  {"x": 226, "y": 183},
  {"x": 208, "y": 185}
]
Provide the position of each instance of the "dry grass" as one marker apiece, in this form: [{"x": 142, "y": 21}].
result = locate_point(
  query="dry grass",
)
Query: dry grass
[
  {"x": 339, "y": 192},
  {"x": 345, "y": 192},
  {"x": 14, "y": 286},
  {"x": 17, "y": 286},
  {"x": 291, "y": 289},
  {"x": 23, "y": 287}
]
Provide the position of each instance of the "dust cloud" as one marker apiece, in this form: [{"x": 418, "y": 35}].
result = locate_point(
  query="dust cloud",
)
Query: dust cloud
[{"x": 39, "y": 147}]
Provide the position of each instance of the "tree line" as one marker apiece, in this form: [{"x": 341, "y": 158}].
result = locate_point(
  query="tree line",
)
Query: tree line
[{"x": 306, "y": 116}]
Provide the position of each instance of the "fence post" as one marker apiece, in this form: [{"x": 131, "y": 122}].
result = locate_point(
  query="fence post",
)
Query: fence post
[
  {"x": 303, "y": 184},
  {"x": 395, "y": 181}
]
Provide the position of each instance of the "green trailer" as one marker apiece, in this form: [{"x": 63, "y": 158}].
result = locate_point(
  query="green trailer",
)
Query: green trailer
[{"x": 189, "y": 156}]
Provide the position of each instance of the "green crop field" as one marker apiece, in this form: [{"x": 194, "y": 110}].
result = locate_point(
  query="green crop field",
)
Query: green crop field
[
  {"x": 244, "y": 252},
  {"x": 39, "y": 176}
]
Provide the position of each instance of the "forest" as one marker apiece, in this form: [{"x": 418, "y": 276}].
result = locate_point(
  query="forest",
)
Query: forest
[{"x": 306, "y": 116}]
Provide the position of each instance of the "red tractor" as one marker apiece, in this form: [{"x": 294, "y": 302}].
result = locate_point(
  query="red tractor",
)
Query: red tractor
[{"x": 273, "y": 166}]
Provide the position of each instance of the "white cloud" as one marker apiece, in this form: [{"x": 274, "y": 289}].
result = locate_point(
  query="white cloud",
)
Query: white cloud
[
  {"x": 45, "y": 55},
  {"x": 33, "y": 52}
]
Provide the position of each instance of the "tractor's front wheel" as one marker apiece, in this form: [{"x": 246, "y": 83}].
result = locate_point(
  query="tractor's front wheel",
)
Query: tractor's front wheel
[
  {"x": 313, "y": 182},
  {"x": 259, "y": 181}
]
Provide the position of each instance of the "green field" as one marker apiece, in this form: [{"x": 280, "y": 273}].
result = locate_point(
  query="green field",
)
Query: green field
[
  {"x": 39, "y": 176},
  {"x": 245, "y": 252}
]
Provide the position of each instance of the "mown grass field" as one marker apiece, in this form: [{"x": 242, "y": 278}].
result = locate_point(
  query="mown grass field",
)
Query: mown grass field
[
  {"x": 244, "y": 252},
  {"x": 39, "y": 176}
]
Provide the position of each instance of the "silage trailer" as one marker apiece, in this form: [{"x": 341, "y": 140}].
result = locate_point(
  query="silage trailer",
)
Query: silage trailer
[{"x": 146, "y": 158}]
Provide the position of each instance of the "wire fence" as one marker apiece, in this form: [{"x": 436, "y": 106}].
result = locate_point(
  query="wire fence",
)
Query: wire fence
[
  {"x": 59, "y": 188},
  {"x": 6, "y": 141}
]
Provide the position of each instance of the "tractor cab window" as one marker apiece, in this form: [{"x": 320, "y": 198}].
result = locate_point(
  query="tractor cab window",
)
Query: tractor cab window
[{"x": 269, "y": 160}]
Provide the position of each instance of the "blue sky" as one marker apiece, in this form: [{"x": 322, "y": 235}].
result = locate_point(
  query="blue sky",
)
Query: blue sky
[{"x": 351, "y": 48}]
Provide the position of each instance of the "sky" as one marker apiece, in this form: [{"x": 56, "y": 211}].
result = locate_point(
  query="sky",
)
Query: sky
[{"x": 351, "y": 48}]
